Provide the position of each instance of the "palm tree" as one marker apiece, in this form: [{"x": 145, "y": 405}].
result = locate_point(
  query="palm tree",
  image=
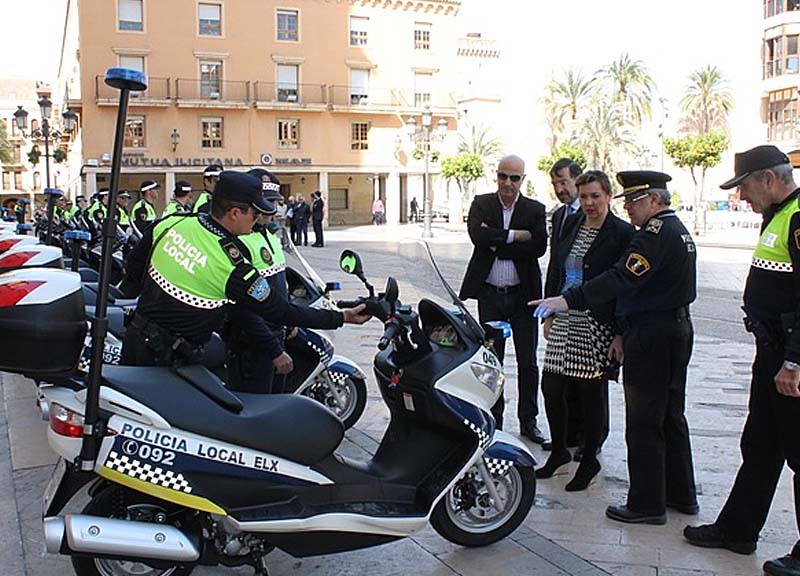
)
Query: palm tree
[
  {"x": 607, "y": 136},
  {"x": 566, "y": 98},
  {"x": 707, "y": 101},
  {"x": 479, "y": 142},
  {"x": 629, "y": 84},
  {"x": 6, "y": 149}
]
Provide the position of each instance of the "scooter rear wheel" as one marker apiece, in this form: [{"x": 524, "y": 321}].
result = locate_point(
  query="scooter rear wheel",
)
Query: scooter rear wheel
[
  {"x": 107, "y": 503},
  {"x": 466, "y": 515}
]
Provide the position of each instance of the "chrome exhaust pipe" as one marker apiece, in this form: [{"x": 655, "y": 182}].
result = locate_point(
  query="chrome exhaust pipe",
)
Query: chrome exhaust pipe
[{"x": 98, "y": 536}]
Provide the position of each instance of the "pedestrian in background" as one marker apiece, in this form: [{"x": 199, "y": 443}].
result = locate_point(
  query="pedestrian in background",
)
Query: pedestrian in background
[
  {"x": 317, "y": 214},
  {"x": 414, "y": 210},
  {"x": 181, "y": 199},
  {"x": 290, "y": 219},
  {"x": 653, "y": 283},
  {"x": 302, "y": 212},
  {"x": 509, "y": 234},
  {"x": 771, "y": 435},
  {"x": 377, "y": 212},
  {"x": 583, "y": 349}
]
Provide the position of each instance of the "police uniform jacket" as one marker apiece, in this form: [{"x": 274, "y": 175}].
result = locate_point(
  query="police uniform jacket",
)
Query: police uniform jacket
[
  {"x": 772, "y": 292},
  {"x": 656, "y": 273}
]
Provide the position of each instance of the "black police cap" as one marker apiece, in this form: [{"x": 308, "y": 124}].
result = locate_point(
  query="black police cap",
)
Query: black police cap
[
  {"x": 148, "y": 185},
  {"x": 212, "y": 170},
  {"x": 644, "y": 181},
  {"x": 271, "y": 189},
  {"x": 242, "y": 188},
  {"x": 753, "y": 160},
  {"x": 182, "y": 188}
]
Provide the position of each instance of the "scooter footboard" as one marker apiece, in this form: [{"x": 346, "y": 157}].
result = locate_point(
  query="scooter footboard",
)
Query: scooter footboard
[{"x": 508, "y": 448}]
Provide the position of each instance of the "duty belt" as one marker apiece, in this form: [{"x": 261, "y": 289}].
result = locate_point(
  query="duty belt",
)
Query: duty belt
[
  {"x": 642, "y": 318},
  {"x": 166, "y": 345}
]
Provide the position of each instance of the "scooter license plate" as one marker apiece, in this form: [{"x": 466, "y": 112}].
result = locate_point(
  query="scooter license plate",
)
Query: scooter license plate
[{"x": 54, "y": 483}]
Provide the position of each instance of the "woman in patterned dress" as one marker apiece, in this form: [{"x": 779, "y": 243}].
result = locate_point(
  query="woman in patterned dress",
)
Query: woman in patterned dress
[{"x": 583, "y": 347}]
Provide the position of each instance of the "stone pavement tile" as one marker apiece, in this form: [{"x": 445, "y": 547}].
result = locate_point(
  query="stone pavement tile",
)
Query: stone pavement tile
[
  {"x": 690, "y": 558},
  {"x": 29, "y": 447},
  {"x": 11, "y": 556},
  {"x": 681, "y": 572},
  {"x": 616, "y": 553},
  {"x": 563, "y": 559},
  {"x": 17, "y": 387},
  {"x": 628, "y": 569},
  {"x": 506, "y": 557},
  {"x": 562, "y": 533}
]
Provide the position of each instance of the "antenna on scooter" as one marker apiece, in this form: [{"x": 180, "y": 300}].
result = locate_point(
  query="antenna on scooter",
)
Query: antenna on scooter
[{"x": 125, "y": 80}]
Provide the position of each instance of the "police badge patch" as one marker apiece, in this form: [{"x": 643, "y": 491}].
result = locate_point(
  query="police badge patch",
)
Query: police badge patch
[
  {"x": 233, "y": 252},
  {"x": 637, "y": 264},
  {"x": 797, "y": 238},
  {"x": 266, "y": 256},
  {"x": 259, "y": 289},
  {"x": 654, "y": 225}
]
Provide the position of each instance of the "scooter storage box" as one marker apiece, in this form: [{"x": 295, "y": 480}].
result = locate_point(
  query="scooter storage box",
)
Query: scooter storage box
[{"x": 42, "y": 322}]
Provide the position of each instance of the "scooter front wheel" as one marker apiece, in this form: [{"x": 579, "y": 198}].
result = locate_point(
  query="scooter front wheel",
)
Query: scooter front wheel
[
  {"x": 118, "y": 502},
  {"x": 467, "y": 515}
]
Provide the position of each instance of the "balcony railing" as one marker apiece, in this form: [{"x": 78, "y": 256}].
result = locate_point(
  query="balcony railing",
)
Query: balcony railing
[
  {"x": 212, "y": 91},
  {"x": 285, "y": 93},
  {"x": 157, "y": 89},
  {"x": 388, "y": 97}
]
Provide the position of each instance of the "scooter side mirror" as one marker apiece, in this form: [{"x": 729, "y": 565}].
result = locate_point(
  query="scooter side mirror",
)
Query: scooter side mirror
[
  {"x": 350, "y": 262},
  {"x": 392, "y": 291}
]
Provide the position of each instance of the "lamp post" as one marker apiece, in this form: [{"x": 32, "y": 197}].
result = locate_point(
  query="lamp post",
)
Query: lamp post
[
  {"x": 176, "y": 138},
  {"x": 662, "y": 127},
  {"x": 423, "y": 135},
  {"x": 45, "y": 108}
]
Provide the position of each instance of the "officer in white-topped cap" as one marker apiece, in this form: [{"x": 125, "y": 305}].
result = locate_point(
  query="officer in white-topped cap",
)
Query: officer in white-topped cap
[
  {"x": 144, "y": 212},
  {"x": 210, "y": 177},
  {"x": 181, "y": 198}
]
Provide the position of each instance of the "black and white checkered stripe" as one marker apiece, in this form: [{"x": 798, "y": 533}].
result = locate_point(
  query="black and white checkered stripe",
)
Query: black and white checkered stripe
[
  {"x": 147, "y": 472},
  {"x": 483, "y": 438},
  {"x": 185, "y": 297},
  {"x": 497, "y": 466},
  {"x": 338, "y": 377},
  {"x": 772, "y": 266},
  {"x": 272, "y": 270}
]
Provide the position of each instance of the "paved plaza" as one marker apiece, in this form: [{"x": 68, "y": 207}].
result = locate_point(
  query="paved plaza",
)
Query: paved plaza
[{"x": 565, "y": 533}]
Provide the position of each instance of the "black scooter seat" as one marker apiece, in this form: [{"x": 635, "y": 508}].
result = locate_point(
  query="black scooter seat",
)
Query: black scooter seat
[{"x": 286, "y": 425}]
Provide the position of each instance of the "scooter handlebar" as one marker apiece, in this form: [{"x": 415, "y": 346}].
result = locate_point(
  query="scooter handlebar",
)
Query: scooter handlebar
[
  {"x": 392, "y": 327},
  {"x": 374, "y": 306}
]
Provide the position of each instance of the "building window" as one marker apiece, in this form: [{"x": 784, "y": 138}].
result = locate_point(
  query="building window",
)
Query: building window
[
  {"x": 210, "y": 16},
  {"x": 288, "y": 86},
  {"x": 783, "y": 115},
  {"x": 289, "y": 134},
  {"x": 359, "y": 26},
  {"x": 132, "y": 62},
  {"x": 37, "y": 181},
  {"x": 7, "y": 180},
  {"x": 130, "y": 15},
  {"x": 210, "y": 79},
  {"x": 773, "y": 7},
  {"x": 781, "y": 56},
  {"x": 212, "y": 132},
  {"x": 287, "y": 25},
  {"x": 359, "y": 86},
  {"x": 337, "y": 199},
  {"x": 17, "y": 154},
  {"x": 134, "y": 132},
  {"x": 422, "y": 88},
  {"x": 14, "y": 129},
  {"x": 359, "y": 136},
  {"x": 422, "y": 36},
  {"x": 18, "y": 180}
]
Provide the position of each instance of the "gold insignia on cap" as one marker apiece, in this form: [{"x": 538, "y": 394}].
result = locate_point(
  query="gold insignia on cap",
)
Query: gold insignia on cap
[
  {"x": 654, "y": 225},
  {"x": 636, "y": 188},
  {"x": 637, "y": 264}
]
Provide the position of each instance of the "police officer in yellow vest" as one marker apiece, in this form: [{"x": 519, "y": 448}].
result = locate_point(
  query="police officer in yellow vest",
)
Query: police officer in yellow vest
[
  {"x": 123, "y": 220},
  {"x": 98, "y": 211},
  {"x": 771, "y": 435},
  {"x": 210, "y": 176},
  {"x": 143, "y": 212},
  {"x": 189, "y": 267},
  {"x": 255, "y": 349},
  {"x": 181, "y": 198}
]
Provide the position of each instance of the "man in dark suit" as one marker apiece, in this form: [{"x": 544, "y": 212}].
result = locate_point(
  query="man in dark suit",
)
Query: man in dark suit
[
  {"x": 317, "y": 213},
  {"x": 301, "y": 214},
  {"x": 509, "y": 234}
]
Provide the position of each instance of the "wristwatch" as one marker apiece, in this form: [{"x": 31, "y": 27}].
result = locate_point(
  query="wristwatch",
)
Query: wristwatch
[{"x": 791, "y": 366}]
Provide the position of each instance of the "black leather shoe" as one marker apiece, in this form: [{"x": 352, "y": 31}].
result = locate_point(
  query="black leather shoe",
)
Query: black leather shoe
[
  {"x": 710, "y": 536},
  {"x": 786, "y": 566},
  {"x": 625, "y": 514},
  {"x": 688, "y": 509},
  {"x": 584, "y": 476},
  {"x": 532, "y": 431},
  {"x": 554, "y": 466},
  {"x": 547, "y": 446}
]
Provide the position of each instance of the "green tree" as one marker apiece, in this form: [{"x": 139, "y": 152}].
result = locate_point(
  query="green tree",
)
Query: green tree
[
  {"x": 479, "y": 142},
  {"x": 464, "y": 167},
  {"x": 564, "y": 100},
  {"x": 698, "y": 154},
  {"x": 607, "y": 137},
  {"x": 566, "y": 150},
  {"x": 707, "y": 102},
  {"x": 6, "y": 149},
  {"x": 629, "y": 83}
]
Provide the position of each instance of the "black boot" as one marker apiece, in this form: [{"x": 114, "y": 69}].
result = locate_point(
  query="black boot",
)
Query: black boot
[
  {"x": 583, "y": 476},
  {"x": 555, "y": 465}
]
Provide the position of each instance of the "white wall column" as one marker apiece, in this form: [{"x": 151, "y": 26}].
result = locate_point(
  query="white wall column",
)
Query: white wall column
[
  {"x": 392, "y": 207},
  {"x": 169, "y": 187},
  {"x": 323, "y": 189},
  {"x": 91, "y": 185}
]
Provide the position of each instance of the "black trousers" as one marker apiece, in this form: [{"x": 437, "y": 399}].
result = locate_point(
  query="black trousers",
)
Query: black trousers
[
  {"x": 771, "y": 437},
  {"x": 660, "y": 468},
  {"x": 592, "y": 399},
  {"x": 318, "y": 232},
  {"x": 513, "y": 308},
  {"x": 249, "y": 370},
  {"x": 302, "y": 233}
]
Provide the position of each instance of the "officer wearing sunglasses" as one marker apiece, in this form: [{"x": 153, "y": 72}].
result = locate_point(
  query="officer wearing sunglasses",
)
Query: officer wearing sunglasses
[{"x": 509, "y": 234}]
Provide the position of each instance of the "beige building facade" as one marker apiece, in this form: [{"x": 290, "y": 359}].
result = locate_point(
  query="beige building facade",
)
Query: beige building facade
[
  {"x": 317, "y": 91},
  {"x": 780, "y": 54}
]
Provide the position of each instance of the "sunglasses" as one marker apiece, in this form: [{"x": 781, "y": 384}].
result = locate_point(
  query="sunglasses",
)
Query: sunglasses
[{"x": 513, "y": 177}]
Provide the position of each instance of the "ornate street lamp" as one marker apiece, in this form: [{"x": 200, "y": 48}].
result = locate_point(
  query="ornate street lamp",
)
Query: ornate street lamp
[
  {"x": 45, "y": 133},
  {"x": 175, "y": 137},
  {"x": 423, "y": 135}
]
